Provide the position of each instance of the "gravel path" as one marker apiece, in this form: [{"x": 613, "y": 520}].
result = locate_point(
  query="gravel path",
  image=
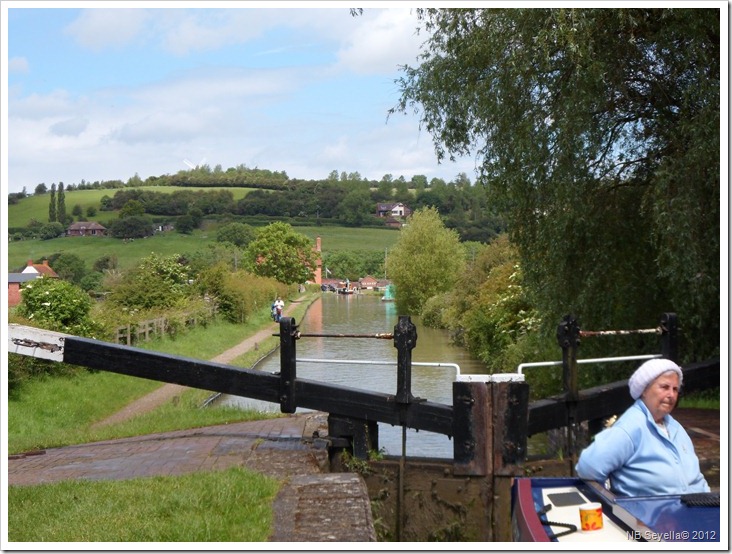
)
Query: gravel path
[{"x": 169, "y": 391}]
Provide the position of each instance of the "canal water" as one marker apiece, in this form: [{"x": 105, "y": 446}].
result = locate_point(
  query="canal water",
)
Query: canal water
[{"x": 367, "y": 314}]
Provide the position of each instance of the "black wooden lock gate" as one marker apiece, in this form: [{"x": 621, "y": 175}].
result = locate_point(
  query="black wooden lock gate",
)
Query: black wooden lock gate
[{"x": 487, "y": 420}]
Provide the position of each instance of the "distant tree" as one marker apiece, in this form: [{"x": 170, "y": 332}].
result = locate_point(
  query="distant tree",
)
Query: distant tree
[
  {"x": 105, "y": 203},
  {"x": 41, "y": 189},
  {"x": 384, "y": 192},
  {"x": 185, "y": 224},
  {"x": 68, "y": 266},
  {"x": 52, "y": 215},
  {"x": 132, "y": 227},
  {"x": 91, "y": 211},
  {"x": 281, "y": 253},
  {"x": 212, "y": 254},
  {"x": 92, "y": 281},
  {"x": 77, "y": 211},
  {"x": 61, "y": 204},
  {"x": 425, "y": 261},
  {"x": 419, "y": 182},
  {"x": 51, "y": 231},
  {"x": 132, "y": 207},
  {"x": 356, "y": 208},
  {"x": 236, "y": 233},
  {"x": 105, "y": 262}
]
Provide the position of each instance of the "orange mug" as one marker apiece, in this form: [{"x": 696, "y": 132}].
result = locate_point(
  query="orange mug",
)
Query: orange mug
[{"x": 591, "y": 516}]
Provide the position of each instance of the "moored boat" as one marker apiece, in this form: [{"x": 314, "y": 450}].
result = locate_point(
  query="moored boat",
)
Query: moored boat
[{"x": 547, "y": 510}]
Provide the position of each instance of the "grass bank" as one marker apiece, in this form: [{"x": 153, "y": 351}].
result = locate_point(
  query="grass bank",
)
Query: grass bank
[
  {"x": 60, "y": 411},
  {"x": 222, "y": 506}
]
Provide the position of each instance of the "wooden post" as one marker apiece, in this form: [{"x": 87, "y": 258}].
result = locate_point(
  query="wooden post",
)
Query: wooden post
[
  {"x": 510, "y": 402},
  {"x": 568, "y": 333},
  {"x": 472, "y": 428},
  {"x": 490, "y": 422},
  {"x": 670, "y": 336},
  {"x": 288, "y": 369},
  {"x": 405, "y": 339}
]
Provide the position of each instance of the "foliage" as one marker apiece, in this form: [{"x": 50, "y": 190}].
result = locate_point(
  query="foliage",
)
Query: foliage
[
  {"x": 353, "y": 264},
  {"x": 598, "y": 131},
  {"x": 61, "y": 204},
  {"x": 131, "y": 227},
  {"x": 57, "y": 305},
  {"x": 68, "y": 266},
  {"x": 426, "y": 260},
  {"x": 51, "y": 231},
  {"x": 501, "y": 316},
  {"x": 52, "y": 205},
  {"x": 356, "y": 208},
  {"x": 105, "y": 262},
  {"x": 131, "y": 208},
  {"x": 282, "y": 253},
  {"x": 239, "y": 234},
  {"x": 156, "y": 282},
  {"x": 212, "y": 254},
  {"x": 238, "y": 294}
]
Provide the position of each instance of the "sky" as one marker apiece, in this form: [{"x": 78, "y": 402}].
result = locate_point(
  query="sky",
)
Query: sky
[{"x": 106, "y": 90}]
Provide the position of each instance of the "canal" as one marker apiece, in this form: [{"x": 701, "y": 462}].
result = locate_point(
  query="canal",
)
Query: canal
[{"x": 367, "y": 314}]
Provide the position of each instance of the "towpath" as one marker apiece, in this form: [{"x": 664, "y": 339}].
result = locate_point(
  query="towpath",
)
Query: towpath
[{"x": 168, "y": 392}]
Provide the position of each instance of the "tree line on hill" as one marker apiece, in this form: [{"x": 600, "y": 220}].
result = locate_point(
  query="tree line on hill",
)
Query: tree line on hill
[{"x": 342, "y": 199}]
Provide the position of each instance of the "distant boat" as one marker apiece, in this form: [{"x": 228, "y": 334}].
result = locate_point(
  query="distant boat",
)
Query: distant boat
[
  {"x": 345, "y": 291},
  {"x": 389, "y": 296}
]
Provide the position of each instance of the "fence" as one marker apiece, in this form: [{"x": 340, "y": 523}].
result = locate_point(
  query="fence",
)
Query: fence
[{"x": 143, "y": 331}]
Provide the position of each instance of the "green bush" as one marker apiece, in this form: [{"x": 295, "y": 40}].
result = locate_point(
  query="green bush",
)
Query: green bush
[
  {"x": 156, "y": 282},
  {"x": 57, "y": 305},
  {"x": 238, "y": 294},
  {"x": 51, "y": 231}
]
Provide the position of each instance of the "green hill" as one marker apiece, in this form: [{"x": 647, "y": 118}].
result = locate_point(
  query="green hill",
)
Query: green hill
[{"x": 36, "y": 207}]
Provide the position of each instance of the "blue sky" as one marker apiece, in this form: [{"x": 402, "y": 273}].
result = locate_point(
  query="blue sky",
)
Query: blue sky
[{"x": 114, "y": 90}]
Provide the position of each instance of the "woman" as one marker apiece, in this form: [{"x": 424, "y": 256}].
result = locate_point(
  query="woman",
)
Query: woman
[{"x": 646, "y": 452}]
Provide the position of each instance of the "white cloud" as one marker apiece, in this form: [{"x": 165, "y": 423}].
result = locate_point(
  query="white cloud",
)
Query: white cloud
[
  {"x": 381, "y": 43},
  {"x": 18, "y": 65},
  {"x": 70, "y": 127},
  {"x": 292, "y": 117},
  {"x": 102, "y": 28}
]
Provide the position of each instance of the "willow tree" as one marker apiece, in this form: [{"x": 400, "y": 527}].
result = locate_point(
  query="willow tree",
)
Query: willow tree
[
  {"x": 425, "y": 261},
  {"x": 597, "y": 134}
]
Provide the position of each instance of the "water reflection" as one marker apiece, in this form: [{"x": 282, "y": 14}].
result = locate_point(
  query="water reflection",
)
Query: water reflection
[{"x": 367, "y": 314}]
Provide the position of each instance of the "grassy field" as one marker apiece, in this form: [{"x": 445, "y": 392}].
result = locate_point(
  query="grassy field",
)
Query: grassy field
[
  {"x": 92, "y": 248},
  {"x": 36, "y": 207}
]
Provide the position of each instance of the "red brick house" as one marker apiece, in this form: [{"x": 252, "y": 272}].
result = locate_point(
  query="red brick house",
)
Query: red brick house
[
  {"x": 368, "y": 282},
  {"x": 86, "y": 228},
  {"x": 31, "y": 271}
]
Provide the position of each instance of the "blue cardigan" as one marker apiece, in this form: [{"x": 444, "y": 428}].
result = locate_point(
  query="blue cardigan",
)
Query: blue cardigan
[{"x": 639, "y": 460}]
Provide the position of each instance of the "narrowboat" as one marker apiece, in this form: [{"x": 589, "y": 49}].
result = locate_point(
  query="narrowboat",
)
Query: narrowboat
[{"x": 548, "y": 510}]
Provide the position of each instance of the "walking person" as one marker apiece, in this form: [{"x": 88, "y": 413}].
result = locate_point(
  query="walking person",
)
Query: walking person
[{"x": 279, "y": 305}]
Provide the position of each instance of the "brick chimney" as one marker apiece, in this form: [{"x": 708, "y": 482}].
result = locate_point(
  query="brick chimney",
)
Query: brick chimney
[{"x": 319, "y": 263}]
